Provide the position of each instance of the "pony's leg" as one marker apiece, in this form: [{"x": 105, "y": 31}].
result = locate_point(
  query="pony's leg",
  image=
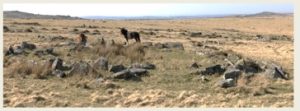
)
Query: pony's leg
[
  {"x": 127, "y": 41},
  {"x": 137, "y": 39}
]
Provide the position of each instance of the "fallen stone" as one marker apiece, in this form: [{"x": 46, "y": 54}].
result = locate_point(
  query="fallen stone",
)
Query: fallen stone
[
  {"x": 124, "y": 74},
  {"x": 39, "y": 52},
  {"x": 212, "y": 70},
  {"x": 10, "y": 51},
  {"x": 227, "y": 83},
  {"x": 275, "y": 71},
  {"x": 116, "y": 68},
  {"x": 50, "y": 50},
  {"x": 57, "y": 64},
  {"x": 29, "y": 46},
  {"x": 28, "y": 30},
  {"x": 196, "y": 34},
  {"x": 159, "y": 45},
  {"x": 18, "y": 50},
  {"x": 176, "y": 45},
  {"x": 148, "y": 66},
  {"x": 198, "y": 44},
  {"x": 59, "y": 73},
  {"x": 143, "y": 66},
  {"x": 101, "y": 63},
  {"x": 138, "y": 71},
  {"x": 232, "y": 73},
  {"x": 5, "y": 29},
  {"x": 55, "y": 38},
  {"x": 81, "y": 67},
  {"x": 249, "y": 66}
]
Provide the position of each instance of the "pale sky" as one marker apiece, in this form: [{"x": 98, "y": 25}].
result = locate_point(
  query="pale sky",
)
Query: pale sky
[{"x": 162, "y": 9}]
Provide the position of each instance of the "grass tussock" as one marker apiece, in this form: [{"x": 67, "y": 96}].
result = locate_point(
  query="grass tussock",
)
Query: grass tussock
[
  {"x": 133, "y": 52},
  {"x": 23, "y": 68}
]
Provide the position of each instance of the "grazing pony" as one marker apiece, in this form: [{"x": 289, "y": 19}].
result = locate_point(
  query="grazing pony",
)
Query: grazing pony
[
  {"x": 130, "y": 35},
  {"x": 82, "y": 39}
]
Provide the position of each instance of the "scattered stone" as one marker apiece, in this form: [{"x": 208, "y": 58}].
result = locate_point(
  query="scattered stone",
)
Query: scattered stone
[
  {"x": 29, "y": 46},
  {"x": 138, "y": 71},
  {"x": 249, "y": 66},
  {"x": 233, "y": 57},
  {"x": 18, "y": 50},
  {"x": 232, "y": 73},
  {"x": 50, "y": 50},
  {"x": 143, "y": 66},
  {"x": 95, "y": 32},
  {"x": 212, "y": 70},
  {"x": 10, "y": 51},
  {"x": 198, "y": 44},
  {"x": 177, "y": 45},
  {"x": 59, "y": 73},
  {"x": 101, "y": 63},
  {"x": 196, "y": 34},
  {"x": 275, "y": 71},
  {"x": 194, "y": 65},
  {"x": 124, "y": 74},
  {"x": 210, "y": 47},
  {"x": 41, "y": 37},
  {"x": 75, "y": 30},
  {"x": 214, "y": 35},
  {"x": 57, "y": 64},
  {"x": 148, "y": 66},
  {"x": 28, "y": 30},
  {"x": 41, "y": 52},
  {"x": 5, "y": 29},
  {"x": 159, "y": 45},
  {"x": 116, "y": 68},
  {"x": 55, "y": 38},
  {"x": 133, "y": 73},
  {"x": 81, "y": 67},
  {"x": 227, "y": 83},
  {"x": 44, "y": 28},
  {"x": 258, "y": 36}
]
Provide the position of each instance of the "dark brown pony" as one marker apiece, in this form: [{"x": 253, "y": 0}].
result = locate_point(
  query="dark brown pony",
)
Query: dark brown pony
[
  {"x": 82, "y": 39},
  {"x": 130, "y": 35}
]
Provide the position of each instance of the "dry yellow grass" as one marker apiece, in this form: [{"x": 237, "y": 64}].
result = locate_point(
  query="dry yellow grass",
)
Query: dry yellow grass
[{"x": 170, "y": 85}]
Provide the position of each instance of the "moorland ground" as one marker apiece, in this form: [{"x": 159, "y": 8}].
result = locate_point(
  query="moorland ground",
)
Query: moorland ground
[{"x": 170, "y": 84}]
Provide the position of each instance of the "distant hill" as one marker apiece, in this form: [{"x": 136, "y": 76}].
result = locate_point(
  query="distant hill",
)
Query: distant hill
[
  {"x": 261, "y": 14},
  {"x": 25, "y": 15},
  {"x": 265, "y": 14},
  {"x": 18, "y": 14},
  {"x": 149, "y": 17}
]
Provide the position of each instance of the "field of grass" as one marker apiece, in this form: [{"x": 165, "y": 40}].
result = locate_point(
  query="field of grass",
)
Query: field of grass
[{"x": 170, "y": 84}]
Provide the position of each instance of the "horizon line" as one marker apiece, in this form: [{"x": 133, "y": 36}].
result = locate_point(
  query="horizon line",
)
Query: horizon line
[{"x": 153, "y": 15}]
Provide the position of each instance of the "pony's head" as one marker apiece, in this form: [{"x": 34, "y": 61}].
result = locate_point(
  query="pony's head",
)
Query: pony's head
[
  {"x": 82, "y": 35},
  {"x": 124, "y": 31}
]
